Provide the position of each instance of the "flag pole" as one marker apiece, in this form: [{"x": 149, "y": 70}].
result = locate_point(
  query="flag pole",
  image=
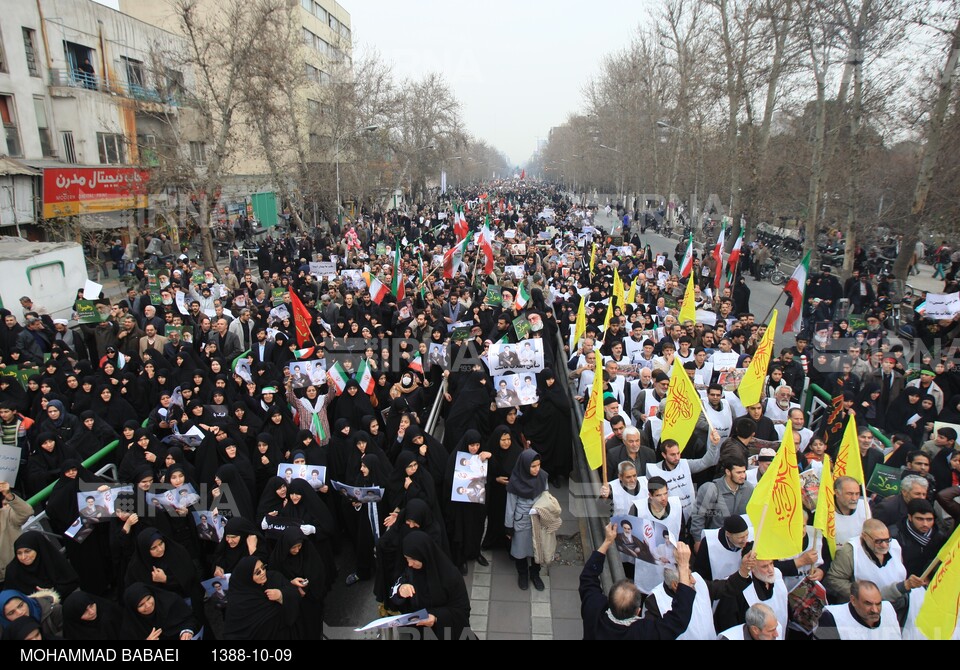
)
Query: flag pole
[
  {"x": 774, "y": 306},
  {"x": 866, "y": 505},
  {"x": 930, "y": 568}
]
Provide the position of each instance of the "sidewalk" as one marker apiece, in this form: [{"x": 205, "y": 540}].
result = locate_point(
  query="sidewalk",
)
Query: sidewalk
[{"x": 501, "y": 611}]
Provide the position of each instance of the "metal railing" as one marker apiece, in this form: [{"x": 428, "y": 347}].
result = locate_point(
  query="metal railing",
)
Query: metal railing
[
  {"x": 589, "y": 487},
  {"x": 71, "y": 78},
  {"x": 39, "y": 522},
  {"x": 89, "y": 463},
  {"x": 434, "y": 416}
]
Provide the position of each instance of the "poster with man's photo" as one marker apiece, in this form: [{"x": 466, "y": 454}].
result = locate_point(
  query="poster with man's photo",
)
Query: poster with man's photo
[
  {"x": 315, "y": 475},
  {"x": 360, "y": 494},
  {"x": 307, "y": 373},
  {"x": 469, "y": 479},
  {"x": 516, "y": 390},
  {"x": 98, "y": 506},
  {"x": 437, "y": 355},
  {"x": 210, "y": 525},
  {"x": 644, "y": 540},
  {"x": 215, "y": 590},
  {"x": 522, "y": 357},
  {"x": 181, "y": 497}
]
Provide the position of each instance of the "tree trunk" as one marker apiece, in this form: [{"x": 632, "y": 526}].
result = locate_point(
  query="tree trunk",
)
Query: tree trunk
[
  {"x": 816, "y": 171},
  {"x": 931, "y": 152},
  {"x": 856, "y": 151}
]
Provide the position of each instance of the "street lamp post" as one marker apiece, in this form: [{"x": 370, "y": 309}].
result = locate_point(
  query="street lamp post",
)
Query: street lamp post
[{"x": 336, "y": 156}]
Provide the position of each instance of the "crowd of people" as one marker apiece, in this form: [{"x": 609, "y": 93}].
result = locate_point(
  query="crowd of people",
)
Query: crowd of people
[{"x": 271, "y": 430}]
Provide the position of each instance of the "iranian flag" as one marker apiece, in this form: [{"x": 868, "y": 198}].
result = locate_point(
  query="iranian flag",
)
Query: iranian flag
[
  {"x": 396, "y": 286},
  {"x": 486, "y": 246},
  {"x": 301, "y": 354},
  {"x": 416, "y": 364},
  {"x": 686, "y": 267},
  {"x": 460, "y": 226},
  {"x": 378, "y": 290},
  {"x": 365, "y": 378},
  {"x": 453, "y": 259},
  {"x": 523, "y": 297},
  {"x": 338, "y": 377},
  {"x": 795, "y": 288},
  {"x": 718, "y": 257},
  {"x": 734, "y": 259}
]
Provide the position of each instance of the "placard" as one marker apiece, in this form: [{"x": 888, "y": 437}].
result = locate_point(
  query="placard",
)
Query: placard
[
  {"x": 360, "y": 494},
  {"x": 307, "y": 373},
  {"x": 89, "y": 311},
  {"x": 276, "y": 296},
  {"x": 515, "y": 390},
  {"x": 324, "y": 269},
  {"x": 469, "y": 479},
  {"x": 941, "y": 305},
  {"x": 494, "y": 296},
  {"x": 515, "y": 271},
  {"x": 526, "y": 356},
  {"x": 9, "y": 464},
  {"x": 725, "y": 360},
  {"x": 885, "y": 481},
  {"x": 521, "y": 326},
  {"x": 315, "y": 475},
  {"x": 210, "y": 525}
]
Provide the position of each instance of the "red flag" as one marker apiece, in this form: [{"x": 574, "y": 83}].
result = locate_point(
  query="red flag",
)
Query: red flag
[
  {"x": 718, "y": 257},
  {"x": 302, "y": 319}
]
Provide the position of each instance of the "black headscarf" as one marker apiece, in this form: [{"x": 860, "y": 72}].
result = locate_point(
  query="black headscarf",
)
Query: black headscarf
[
  {"x": 234, "y": 491},
  {"x": 105, "y": 627},
  {"x": 175, "y": 562},
  {"x": 438, "y": 584},
  {"x": 49, "y": 570},
  {"x": 269, "y": 500},
  {"x": 503, "y": 460},
  {"x": 422, "y": 486},
  {"x": 251, "y": 615},
  {"x": 522, "y": 484},
  {"x": 19, "y": 629},
  {"x": 170, "y": 614},
  {"x": 306, "y": 564},
  {"x": 226, "y": 557}
]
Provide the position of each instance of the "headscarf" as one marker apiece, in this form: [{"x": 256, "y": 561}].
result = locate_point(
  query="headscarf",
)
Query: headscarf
[
  {"x": 32, "y": 604},
  {"x": 105, "y": 627},
  {"x": 170, "y": 613},
  {"x": 306, "y": 564},
  {"x": 522, "y": 483},
  {"x": 227, "y": 557},
  {"x": 49, "y": 570},
  {"x": 251, "y": 615},
  {"x": 19, "y": 629}
]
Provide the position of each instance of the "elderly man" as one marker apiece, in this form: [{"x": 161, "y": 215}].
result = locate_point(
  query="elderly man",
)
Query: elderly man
[
  {"x": 894, "y": 509},
  {"x": 798, "y": 419},
  {"x": 874, "y": 556},
  {"x": 647, "y": 401},
  {"x": 616, "y": 617},
  {"x": 722, "y": 549},
  {"x": 851, "y": 510},
  {"x": 763, "y": 584},
  {"x": 778, "y": 408},
  {"x": 866, "y": 617},
  {"x": 632, "y": 451},
  {"x": 627, "y": 491},
  {"x": 760, "y": 623}
]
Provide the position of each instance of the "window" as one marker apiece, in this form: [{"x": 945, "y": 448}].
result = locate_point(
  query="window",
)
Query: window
[
  {"x": 147, "y": 147},
  {"x": 135, "y": 78},
  {"x": 175, "y": 90},
  {"x": 307, "y": 5},
  {"x": 315, "y": 142},
  {"x": 313, "y": 107},
  {"x": 69, "y": 150},
  {"x": 3, "y": 58},
  {"x": 9, "y": 116},
  {"x": 320, "y": 12},
  {"x": 198, "y": 154},
  {"x": 31, "y": 50},
  {"x": 309, "y": 39},
  {"x": 325, "y": 78},
  {"x": 46, "y": 142},
  {"x": 112, "y": 148}
]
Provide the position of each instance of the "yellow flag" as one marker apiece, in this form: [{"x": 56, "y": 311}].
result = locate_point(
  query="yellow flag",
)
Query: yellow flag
[
  {"x": 826, "y": 517},
  {"x": 776, "y": 506},
  {"x": 581, "y": 326},
  {"x": 591, "y": 431},
  {"x": 937, "y": 619},
  {"x": 848, "y": 456},
  {"x": 593, "y": 258},
  {"x": 632, "y": 295},
  {"x": 683, "y": 407},
  {"x": 618, "y": 287},
  {"x": 689, "y": 310},
  {"x": 609, "y": 315},
  {"x": 751, "y": 386}
]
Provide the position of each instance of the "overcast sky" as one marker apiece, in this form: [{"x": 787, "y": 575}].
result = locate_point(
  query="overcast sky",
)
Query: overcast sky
[{"x": 517, "y": 67}]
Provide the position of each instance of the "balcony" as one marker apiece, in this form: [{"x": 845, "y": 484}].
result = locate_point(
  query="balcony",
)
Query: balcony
[{"x": 70, "y": 78}]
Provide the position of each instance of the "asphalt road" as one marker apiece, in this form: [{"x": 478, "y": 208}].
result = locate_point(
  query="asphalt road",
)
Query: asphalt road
[{"x": 763, "y": 294}]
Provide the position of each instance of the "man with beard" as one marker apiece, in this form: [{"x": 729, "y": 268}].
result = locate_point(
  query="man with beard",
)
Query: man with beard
[{"x": 764, "y": 584}]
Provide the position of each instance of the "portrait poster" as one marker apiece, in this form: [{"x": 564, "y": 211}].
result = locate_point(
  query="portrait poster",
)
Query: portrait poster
[
  {"x": 526, "y": 356},
  {"x": 469, "y": 479},
  {"x": 359, "y": 494},
  {"x": 315, "y": 475},
  {"x": 210, "y": 525}
]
